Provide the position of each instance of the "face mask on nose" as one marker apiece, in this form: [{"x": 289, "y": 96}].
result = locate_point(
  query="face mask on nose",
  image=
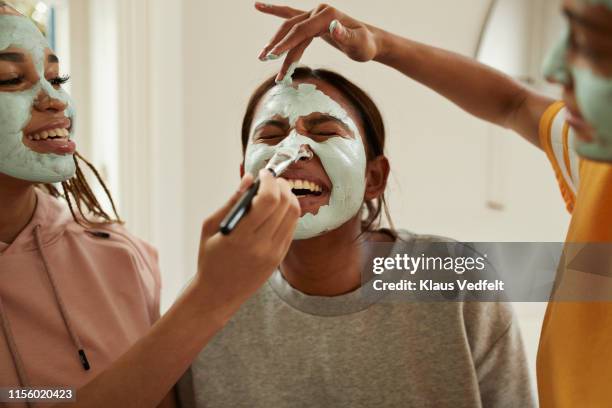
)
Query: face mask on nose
[
  {"x": 343, "y": 159},
  {"x": 16, "y": 159},
  {"x": 593, "y": 95}
]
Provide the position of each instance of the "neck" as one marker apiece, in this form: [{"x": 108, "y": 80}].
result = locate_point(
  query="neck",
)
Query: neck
[
  {"x": 16, "y": 207},
  {"x": 330, "y": 264}
]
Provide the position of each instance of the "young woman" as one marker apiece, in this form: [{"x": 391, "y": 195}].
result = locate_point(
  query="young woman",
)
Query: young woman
[
  {"x": 79, "y": 295},
  {"x": 315, "y": 335},
  {"x": 573, "y": 366}
]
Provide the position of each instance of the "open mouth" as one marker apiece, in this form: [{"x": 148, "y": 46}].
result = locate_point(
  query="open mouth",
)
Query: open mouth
[
  {"x": 58, "y": 133},
  {"x": 311, "y": 194},
  {"x": 303, "y": 188},
  {"x": 54, "y": 139}
]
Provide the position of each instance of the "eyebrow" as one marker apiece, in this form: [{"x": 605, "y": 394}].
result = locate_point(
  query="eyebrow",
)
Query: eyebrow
[
  {"x": 317, "y": 120},
  {"x": 585, "y": 22},
  {"x": 12, "y": 57}
]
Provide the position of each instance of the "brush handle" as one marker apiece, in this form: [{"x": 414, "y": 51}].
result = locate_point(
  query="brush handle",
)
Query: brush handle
[{"x": 240, "y": 209}]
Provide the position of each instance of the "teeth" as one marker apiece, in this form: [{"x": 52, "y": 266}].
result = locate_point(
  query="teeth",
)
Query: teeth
[
  {"x": 304, "y": 185},
  {"x": 45, "y": 134}
]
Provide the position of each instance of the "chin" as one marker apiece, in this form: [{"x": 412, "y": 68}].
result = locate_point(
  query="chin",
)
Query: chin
[{"x": 595, "y": 151}]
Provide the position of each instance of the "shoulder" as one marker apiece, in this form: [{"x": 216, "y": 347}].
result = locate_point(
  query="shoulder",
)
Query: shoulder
[
  {"x": 116, "y": 237},
  {"x": 484, "y": 322}
]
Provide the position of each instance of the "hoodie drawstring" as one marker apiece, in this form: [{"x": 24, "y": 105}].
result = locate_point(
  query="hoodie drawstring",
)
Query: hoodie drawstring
[{"x": 60, "y": 303}]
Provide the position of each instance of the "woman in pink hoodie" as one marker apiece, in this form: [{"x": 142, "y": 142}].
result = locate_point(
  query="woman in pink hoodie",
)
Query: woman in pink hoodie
[{"x": 79, "y": 295}]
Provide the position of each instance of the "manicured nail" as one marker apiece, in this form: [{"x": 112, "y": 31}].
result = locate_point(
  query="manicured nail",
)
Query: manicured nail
[
  {"x": 336, "y": 28},
  {"x": 279, "y": 78},
  {"x": 271, "y": 57},
  {"x": 260, "y": 4},
  {"x": 262, "y": 54}
]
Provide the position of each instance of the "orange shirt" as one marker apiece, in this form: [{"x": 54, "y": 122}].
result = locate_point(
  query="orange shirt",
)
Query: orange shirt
[{"x": 574, "y": 362}]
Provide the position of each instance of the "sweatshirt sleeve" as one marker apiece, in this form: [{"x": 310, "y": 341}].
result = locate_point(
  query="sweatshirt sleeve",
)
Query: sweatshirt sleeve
[
  {"x": 557, "y": 140},
  {"x": 503, "y": 374}
]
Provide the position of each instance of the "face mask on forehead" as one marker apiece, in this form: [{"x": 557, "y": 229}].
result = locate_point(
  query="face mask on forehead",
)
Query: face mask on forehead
[
  {"x": 343, "y": 159},
  {"x": 16, "y": 159},
  {"x": 593, "y": 94}
]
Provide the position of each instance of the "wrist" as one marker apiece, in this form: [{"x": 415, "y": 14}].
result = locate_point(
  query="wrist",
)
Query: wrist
[
  {"x": 207, "y": 304},
  {"x": 383, "y": 41}
]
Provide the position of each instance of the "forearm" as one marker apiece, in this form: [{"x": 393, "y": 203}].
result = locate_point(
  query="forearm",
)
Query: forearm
[
  {"x": 478, "y": 89},
  {"x": 144, "y": 375}
]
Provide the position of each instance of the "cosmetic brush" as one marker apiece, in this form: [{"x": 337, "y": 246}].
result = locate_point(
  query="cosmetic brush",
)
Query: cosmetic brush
[{"x": 282, "y": 159}]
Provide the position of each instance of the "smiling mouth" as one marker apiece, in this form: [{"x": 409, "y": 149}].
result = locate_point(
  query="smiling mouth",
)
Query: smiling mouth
[
  {"x": 55, "y": 139},
  {"x": 302, "y": 188},
  {"x": 58, "y": 133}
]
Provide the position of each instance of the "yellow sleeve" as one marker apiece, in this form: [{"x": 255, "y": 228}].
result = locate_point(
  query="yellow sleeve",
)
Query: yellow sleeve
[{"x": 557, "y": 139}]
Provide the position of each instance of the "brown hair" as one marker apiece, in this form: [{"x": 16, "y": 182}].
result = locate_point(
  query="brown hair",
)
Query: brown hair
[
  {"x": 80, "y": 197},
  {"x": 369, "y": 114}
]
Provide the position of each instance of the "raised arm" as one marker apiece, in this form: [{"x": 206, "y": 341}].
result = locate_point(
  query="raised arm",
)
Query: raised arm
[{"x": 478, "y": 89}]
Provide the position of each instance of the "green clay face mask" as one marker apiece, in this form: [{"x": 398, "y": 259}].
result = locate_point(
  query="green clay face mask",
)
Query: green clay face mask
[
  {"x": 343, "y": 159},
  {"x": 593, "y": 95},
  {"x": 16, "y": 159}
]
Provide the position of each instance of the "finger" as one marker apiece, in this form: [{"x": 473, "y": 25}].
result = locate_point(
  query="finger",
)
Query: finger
[
  {"x": 292, "y": 56},
  {"x": 307, "y": 29},
  {"x": 278, "y": 11},
  {"x": 211, "y": 224},
  {"x": 264, "y": 203},
  {"x": 269, "y": 226},
  {"x": 344, "y": 37},
  {"x": 283, "y": 237},
  {"x": 280, "y": 34}
]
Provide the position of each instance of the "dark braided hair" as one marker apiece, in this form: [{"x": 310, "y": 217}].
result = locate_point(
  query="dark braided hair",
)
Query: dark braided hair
[{"x": 80, "y": 197}]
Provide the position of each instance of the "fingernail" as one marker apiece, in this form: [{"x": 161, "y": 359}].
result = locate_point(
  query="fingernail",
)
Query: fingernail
[
  {"x": 279, "y": 78},
  {"x": 271, "y": 56},
  {"x": 244, "y": 182},
  {"x": 262, "y": 54},
  {"x": 259, "y": 4},
  {"x": 336, "y": 28}
]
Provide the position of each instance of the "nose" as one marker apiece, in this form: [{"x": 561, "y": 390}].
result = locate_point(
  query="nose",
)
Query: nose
[
  {"x": 46, "y": 103},
  {"x": 305, "y": 154}
]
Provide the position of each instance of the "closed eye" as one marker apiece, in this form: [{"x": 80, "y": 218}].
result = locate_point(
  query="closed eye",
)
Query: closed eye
[{"x": 12, "y": 81}]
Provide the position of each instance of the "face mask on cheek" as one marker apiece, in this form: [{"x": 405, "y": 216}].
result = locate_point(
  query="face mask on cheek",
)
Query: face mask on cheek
[
  {"x": 16, "y": 159},
  {"x": 343, "y": 159},
  {"x": 593, "y": 95}
]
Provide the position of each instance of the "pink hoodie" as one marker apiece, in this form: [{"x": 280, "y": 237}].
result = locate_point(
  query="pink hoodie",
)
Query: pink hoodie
[{"x": 72, "y": 300}]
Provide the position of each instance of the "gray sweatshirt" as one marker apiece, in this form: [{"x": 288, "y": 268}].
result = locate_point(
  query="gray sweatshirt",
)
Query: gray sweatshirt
[{"x": 287, "y": 349}]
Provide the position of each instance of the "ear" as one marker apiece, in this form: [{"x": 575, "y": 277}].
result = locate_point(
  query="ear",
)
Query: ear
[
  {"x": 377, "y": 173},
  {"x": 241, "y": 170}
]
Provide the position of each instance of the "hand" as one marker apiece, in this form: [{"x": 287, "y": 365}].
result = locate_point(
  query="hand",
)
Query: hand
[
  {"x": 232, "y": 267},
  {"x": 357, "y": 40}
]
